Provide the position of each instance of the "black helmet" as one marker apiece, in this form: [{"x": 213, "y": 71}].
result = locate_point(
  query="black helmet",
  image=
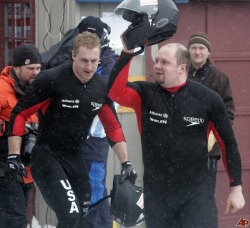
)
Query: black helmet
[
  {"x": 126, "y": 202},
  {"x": 150, "y": 23}
]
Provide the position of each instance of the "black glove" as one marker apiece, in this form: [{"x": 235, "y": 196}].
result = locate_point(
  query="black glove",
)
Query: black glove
[
  {"x": 128, "y": 172},
  {"x": 14, "y": 169}
]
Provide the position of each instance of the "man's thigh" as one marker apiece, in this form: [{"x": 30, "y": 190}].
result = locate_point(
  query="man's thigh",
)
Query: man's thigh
[
  {"x": 159, "y": 213},
  {"x": 200, "y": 211}
]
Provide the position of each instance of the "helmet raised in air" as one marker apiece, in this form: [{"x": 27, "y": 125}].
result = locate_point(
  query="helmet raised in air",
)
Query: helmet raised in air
[{"x": 151, "y": 21}]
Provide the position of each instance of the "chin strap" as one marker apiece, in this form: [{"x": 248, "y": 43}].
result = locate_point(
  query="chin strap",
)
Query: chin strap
[{"x": 141, "y": 50}]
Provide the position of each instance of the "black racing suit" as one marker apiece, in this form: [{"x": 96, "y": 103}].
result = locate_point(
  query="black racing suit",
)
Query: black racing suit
[
  {"x": 173, "y": 129},
  {"x": 95, "y": 151},
  {"x": 67, "y": 108}
]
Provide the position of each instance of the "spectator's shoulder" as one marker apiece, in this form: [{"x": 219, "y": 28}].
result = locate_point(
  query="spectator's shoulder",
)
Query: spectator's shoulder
[
  {"x": 218, "y": 73},
  {"x": 199, "y": 88}
]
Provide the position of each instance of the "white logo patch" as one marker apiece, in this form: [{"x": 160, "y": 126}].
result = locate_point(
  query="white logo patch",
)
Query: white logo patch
[
  {"x": 96, "y": 106},
  {"x": 71, "y": 196},
  {"x": 70, "y": 103},
  {"x": 193, "y": 121},
  {"x": 158, "y": 117}
]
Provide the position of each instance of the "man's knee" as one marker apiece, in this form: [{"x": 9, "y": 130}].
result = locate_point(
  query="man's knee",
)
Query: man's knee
[{"x": 68, "y": 220}]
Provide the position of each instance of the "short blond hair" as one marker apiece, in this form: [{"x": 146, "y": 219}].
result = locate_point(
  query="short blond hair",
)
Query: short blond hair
[{"x": 86, "y": 39}]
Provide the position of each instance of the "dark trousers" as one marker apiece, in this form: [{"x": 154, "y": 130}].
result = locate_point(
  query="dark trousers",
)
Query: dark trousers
[
  {"x": 13, "y": 203},
  {"x": 187, "y": 207},
  {"x": 98, "y": 216},
  {"x": 66, "y": 189}
]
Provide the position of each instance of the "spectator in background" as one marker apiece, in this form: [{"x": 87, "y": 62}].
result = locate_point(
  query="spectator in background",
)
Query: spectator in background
[
  {"x": 13, "y": 82},
  {"x": 202, "y": 71},
  {"x": 61, "y": 52}
]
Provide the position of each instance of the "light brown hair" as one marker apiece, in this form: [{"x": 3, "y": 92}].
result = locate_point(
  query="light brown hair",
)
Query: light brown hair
[
  {"x": 86, "y": 39},
  {"x": 182, "y": 56}
]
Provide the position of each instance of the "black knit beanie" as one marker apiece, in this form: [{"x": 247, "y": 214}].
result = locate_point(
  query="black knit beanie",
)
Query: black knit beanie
[
  {"x": 26, "y": 54},
  {"x": 200, "y": 38},
  {"x": 92, "y": 24}
]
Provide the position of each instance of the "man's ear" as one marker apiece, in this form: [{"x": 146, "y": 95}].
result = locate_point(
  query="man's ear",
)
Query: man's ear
[
  {"x": 73, "y": 54},
  {"x": 182, "y": 68}
]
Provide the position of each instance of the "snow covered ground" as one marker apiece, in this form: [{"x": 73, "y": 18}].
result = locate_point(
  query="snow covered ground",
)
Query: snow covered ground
[{"x": 35, "y": 224}]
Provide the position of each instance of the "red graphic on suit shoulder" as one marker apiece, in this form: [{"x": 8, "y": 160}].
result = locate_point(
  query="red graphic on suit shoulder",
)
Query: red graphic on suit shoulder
[{"x": 243, "y": 222}]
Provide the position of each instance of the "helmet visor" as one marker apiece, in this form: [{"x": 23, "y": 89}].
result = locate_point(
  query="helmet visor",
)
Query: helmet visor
[{"x": 137, "y": 6}]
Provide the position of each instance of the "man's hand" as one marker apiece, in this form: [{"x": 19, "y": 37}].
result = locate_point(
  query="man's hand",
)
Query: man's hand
[
  {"x": 128, "y": 172},
  {"x": 14, "y": 169},
  {"x": 235, "y": 200}
]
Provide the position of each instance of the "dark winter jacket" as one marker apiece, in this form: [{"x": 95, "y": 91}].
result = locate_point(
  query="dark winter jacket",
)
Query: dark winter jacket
[
  {"x": 214, "y": 79},
  {"x": 61, "y": 52}
]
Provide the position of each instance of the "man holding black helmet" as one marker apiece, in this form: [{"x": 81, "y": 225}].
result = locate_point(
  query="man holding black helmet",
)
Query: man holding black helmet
[
  {"x": 173, "y": 116},
  {"x": 96, "y": 148},
  {"x": 13, "y": 82}
]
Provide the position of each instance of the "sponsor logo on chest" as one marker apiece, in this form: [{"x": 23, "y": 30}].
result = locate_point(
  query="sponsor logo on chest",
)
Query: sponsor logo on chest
[
  {"x": 157, "y": 117},
  {"x": 95, "y": 106},
  {"x": 193, "y": 121},
  {"x": 70, "y": 103}
]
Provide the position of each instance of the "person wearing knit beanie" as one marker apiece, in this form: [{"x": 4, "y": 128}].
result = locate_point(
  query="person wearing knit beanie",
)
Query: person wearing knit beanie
[
  {"x": 14, "y": 80},
  {"x": 26, "y": 64},
  {"x": 95, "y": 25},
  {"x": 200, "y": 38},
  {"x": 26, "y": 54},
  {"x": 92, "y": 24},
  {"x": 199, "y": 47},
  {"x": 203, "y": 71}
]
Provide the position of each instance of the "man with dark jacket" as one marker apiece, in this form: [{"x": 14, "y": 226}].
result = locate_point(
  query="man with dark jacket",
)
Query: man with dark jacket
[
  {"x": 202, "y": 71},
  {"x": 13, "y": 82}
]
